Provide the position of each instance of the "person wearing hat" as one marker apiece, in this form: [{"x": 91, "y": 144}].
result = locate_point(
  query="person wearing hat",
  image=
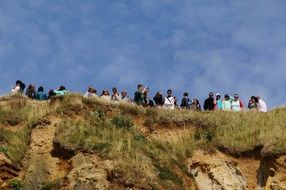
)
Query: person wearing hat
[
  {"x": 236, "y": 104},
  {"x": 218, "y": 102},
  {"x": 226, "y": 104},
  {"x": 209, "y": 103}
]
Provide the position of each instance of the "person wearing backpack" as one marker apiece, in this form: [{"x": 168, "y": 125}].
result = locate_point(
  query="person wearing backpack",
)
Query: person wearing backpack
[
  {"x": 170, "y": 101},
  {"x": 236, "y": 104},
  {"x": 139, "y": 95},
  {"x": 186, "y": 102}
]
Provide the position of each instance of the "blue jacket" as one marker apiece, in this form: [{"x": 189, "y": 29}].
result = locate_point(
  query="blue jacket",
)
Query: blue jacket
[{"x": 41, "y": 96}]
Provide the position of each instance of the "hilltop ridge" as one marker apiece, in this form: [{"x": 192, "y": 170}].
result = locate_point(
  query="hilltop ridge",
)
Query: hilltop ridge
[{"x": 72, "y": 142}]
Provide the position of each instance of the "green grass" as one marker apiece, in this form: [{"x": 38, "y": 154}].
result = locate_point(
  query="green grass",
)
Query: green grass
[
  {"x": 107, "y": 129},
  {"x": 17, "y": 110},
  {"x": 145, "y": 160},
  {"x": 136, "y": 156}
]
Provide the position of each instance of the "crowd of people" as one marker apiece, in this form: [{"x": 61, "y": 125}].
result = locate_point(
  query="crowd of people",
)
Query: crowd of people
[{"x": 141, "y": 98}]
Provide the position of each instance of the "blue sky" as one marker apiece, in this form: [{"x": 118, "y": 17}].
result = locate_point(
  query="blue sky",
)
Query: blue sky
[{"x": 198, "y": 46}]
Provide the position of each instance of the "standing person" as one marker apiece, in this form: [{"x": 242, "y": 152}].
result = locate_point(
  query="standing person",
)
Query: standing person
[
  {"x": 125, "y": 97},
  {"x": 226, "y": 104},
  {"x": 41, "y": 95},
  {"x": 115, "y": 96},
  {"x": 139, "y": 95},
  {"x": 218, "y": 102},
  {"x": 18, "y": 88},
  {"x": 209, "y": 102},
  {"x": 105, "y": 95},
  {"x": 31, "y": 91},
  {"x": 158, "y": 99},
  {"x": 169, "y": 102},
  {"x": 253, "y": 103},
  {"x": 186, "y": 102},
  {"x": 61, "y": 91},
  {"x": 91, "y": 92},
  {"x": 147, "y": 101},
  {"x": 262, "y": 107},
  {"x": 236, "y": 104},
  {"x": 196, "y": 105}
]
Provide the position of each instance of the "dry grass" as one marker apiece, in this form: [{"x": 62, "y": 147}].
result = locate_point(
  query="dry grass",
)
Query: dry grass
[
  {"x": 107, "y": 129},
  {"x": 137, "y": 157},
  {"x": 19, "y": 111}
]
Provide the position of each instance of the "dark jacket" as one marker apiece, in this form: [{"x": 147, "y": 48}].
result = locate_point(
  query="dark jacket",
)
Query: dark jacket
[
  {"x": 209, "y": 104},
  {"x": 186, "y": 103},
  {"x": 139, "y": 98},
  {"x": 159, "y": 100}
]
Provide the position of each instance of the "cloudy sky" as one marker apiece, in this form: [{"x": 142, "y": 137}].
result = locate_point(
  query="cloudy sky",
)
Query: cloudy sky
[{"x": 198, "y": 46}]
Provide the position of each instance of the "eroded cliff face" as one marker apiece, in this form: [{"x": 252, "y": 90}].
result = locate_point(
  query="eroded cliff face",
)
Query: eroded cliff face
[
  {"x": 211, "y": 171},
  {"x": 215, "y": 170},
  {"x": 272, "y": 173}
]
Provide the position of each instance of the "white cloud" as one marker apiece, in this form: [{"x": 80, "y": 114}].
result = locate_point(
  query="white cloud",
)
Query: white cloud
[{"x": 225, "y": 46}]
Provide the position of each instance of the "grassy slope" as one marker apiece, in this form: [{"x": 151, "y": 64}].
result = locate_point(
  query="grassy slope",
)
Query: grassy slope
[{"x": 107, "y": 129}]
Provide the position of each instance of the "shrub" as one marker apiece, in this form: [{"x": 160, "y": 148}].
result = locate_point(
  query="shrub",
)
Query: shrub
[
  {"x": 53, "y": 185},
  {"x": 130, "y": 109},
  {"x": 15, "y": 184},
  {"x": 122, "y": 122},
  {"x": 3, "y": 149}
]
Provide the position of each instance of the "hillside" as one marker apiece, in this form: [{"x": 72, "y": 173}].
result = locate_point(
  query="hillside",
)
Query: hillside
[{"x": 76, "y": 143}]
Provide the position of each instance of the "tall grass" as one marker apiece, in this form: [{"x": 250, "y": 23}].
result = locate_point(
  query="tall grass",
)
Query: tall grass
[
  {"x": 107, "y": 129},
  {"x": 141, "y": 160},
  {"x": 18, "y": 111}
]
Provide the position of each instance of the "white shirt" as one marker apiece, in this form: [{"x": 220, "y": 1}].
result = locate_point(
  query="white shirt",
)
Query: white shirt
[
  {"x": 15, "y": 90},
  {"x": 262, "y": 107},
  {"x": 169, "y": 103},
  {"x": 105, "y": 97},
  {"x": 89, "y": 94}
]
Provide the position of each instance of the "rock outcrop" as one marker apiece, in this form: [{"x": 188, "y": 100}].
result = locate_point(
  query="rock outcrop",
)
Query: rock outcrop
[
  {"x": 88, "y": 173},
  {"x": 213, "y": 172},
  {"x": 7, "y": 170}
]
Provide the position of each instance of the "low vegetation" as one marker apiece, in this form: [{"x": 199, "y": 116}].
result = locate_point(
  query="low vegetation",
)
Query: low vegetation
[{"x": 112, "y": 131}]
